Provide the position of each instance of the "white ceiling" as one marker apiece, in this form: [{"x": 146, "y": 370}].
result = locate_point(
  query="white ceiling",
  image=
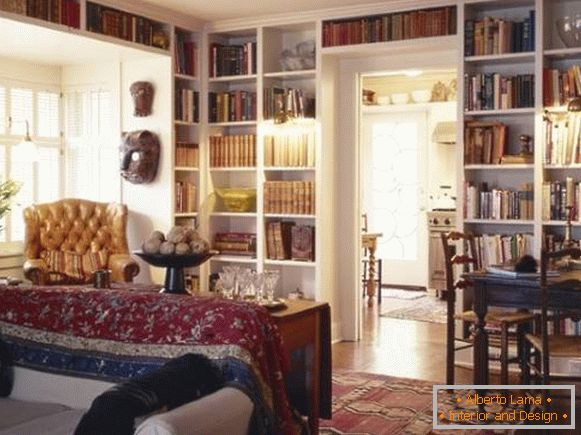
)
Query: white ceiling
[
  {"x": 215, "y": 10},
  {"x": 45, "y": 46}
]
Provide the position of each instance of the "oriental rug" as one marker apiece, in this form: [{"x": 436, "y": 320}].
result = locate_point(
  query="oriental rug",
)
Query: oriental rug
[
  {"x": 372, "y": 404},
  {"x": 426, "y": 309}
]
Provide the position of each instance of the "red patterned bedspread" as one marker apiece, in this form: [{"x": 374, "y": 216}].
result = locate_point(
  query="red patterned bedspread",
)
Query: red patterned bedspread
[{"x": 147, "y": 325}]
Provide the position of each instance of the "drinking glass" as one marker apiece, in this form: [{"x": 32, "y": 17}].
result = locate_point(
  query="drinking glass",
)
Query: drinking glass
[
  {"x": 258, "y": 284},
  {"x": 228, "y": 280},
  {"x": 234, "y": 270},
  {"x": 244, "y": 278},
  {"x": 271, "y": 278}
]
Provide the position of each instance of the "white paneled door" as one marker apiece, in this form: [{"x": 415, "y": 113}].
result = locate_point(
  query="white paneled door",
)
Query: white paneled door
[{"x": 394, "y": 174}]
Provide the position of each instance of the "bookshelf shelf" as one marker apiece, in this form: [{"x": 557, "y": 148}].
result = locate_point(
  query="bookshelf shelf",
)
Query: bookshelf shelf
[
  {"x": 501, "y": 112},
  {"x": 290, "y": 263},
  {"x": 234, "y": 169},
  {"x": 562, "y": 53},
  {"x": 238, "y": 79},
  {"x": 505, "y": 167},
  {"x": 560, "y": 223},
  {"x": 233, "y": 214},
  {"x": 233, "y": 259},
  {"x": 565, "y": 167},
  {"x": 524, "y": 57},
  {"x": 306, "y": 73},
  {"x": 186, "y": 215},
  {"x": 289, "y": 168},
  {"x": 186, "y": 169},
  {"x": 186, "y": 123},
  {"x": 186, "y": 77},
  {"x": 233, "y": 124},
  {"x": 289, "y": 216},
  {"x": 499, "y": 221}
]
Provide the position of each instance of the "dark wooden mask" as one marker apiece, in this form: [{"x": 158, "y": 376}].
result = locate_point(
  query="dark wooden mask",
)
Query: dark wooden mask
[
  {"x": 142, "y": 94},
  {"x": 139, "y": 156}
]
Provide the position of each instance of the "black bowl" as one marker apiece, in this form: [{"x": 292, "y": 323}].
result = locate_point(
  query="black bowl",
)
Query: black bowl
[{"x": 175, "y": 260}]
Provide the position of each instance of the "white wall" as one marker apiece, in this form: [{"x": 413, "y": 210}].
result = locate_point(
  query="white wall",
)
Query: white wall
[
  {"x": 29, "y": 72},
  {"x": 149, "y": 204}
]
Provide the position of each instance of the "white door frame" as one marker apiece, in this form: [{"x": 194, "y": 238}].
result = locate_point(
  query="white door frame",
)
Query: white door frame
[{"x": 349, "y": 163}]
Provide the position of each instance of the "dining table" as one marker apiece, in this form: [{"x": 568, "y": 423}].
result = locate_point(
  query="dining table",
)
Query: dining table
[{"x": 492, "y": 290}]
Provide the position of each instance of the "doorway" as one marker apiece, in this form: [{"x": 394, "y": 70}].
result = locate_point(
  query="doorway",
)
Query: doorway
[{"x": 394, "y": 149}]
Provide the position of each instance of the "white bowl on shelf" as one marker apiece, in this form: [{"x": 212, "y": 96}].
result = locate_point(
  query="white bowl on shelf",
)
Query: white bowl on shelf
[
  {"x": 421, "y": 96},
  {"x": 383, "y": 100},
  {"x": 402, "y": 98}
]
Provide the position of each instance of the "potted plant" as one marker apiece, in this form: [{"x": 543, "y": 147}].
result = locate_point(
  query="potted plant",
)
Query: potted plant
[{"x": 8, "y": 189}]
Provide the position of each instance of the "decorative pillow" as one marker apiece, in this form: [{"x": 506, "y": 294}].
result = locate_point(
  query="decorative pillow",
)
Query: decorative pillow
[{"x": 73, "y": 268}]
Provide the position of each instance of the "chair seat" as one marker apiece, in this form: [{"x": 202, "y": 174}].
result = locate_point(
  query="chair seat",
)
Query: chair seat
[
  {"x": 497, "y": 317},
  {"x": 559, "y": 345}
]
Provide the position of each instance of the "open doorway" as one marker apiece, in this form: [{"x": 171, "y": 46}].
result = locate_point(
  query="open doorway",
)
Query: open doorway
[{"x": 408, "y": 186}]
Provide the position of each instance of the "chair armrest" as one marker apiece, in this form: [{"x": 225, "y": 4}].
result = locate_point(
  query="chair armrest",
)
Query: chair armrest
[
  {"x": 225, "y": 412},
  {"x": 123, "y": 267},
  {"x": 35, "y": 270}
]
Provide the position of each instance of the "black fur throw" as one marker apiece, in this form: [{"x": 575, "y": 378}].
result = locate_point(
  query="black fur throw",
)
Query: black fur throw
[
  {"x": 6, "y": 371},
  {"x": 179, "y": 381}
]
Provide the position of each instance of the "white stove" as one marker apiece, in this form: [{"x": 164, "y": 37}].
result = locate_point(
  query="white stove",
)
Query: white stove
[{"x": 439, "y": 221}]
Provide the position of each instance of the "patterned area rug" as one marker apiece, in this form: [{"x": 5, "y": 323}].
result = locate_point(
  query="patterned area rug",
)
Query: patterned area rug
[
  {"x": 397, "y": 293},
  {"x": 370, "y": 404},
  {"x": 427, "y": 309}
]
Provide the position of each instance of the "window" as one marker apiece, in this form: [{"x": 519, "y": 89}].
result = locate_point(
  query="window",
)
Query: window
[
  {"x": 91, "y": 146},
  {"x": 41, "y": 181}
]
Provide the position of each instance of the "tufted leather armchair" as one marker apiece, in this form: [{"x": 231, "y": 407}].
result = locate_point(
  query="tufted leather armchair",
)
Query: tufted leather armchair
[{"x": 79, "y": 226}]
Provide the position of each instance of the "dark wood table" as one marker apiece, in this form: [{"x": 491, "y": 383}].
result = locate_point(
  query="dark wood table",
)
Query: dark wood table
[
  {"x": 305, "y": 327},
  {"x": 494, "y": 290}
]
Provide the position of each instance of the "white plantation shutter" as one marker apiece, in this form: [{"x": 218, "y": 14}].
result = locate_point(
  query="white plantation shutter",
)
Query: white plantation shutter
[
  {"x": 20, "y": 110},
  {"x": 49, "y": 174},
  {"x": 3, "y": 174},
  {"x": 2, "y": 114},
  {"x": 47, "y": 114},
  {"x": 92, "y": 149}
]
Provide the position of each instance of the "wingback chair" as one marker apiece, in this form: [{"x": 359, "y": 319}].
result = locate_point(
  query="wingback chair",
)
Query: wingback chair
[{"x": 76, "y": 228}]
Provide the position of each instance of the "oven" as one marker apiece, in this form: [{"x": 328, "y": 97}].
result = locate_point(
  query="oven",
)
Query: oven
[{"x": 439, "y": 221}]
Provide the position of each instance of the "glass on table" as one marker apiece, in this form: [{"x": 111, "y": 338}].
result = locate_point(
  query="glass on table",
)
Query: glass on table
[{"x": 271, "y": 278}]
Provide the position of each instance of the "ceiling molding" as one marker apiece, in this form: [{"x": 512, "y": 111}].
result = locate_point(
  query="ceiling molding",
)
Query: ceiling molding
[{"x": 325, "y": 14}]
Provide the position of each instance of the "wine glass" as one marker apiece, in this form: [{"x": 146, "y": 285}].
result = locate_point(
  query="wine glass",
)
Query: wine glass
[
  {"x": 258, "y": 284},
  {"x": 234, "y": 270},
  {"x": 271, "y": 278},
  {"x": 228, "y": 280},
  {"x": 244, "y": 278}
]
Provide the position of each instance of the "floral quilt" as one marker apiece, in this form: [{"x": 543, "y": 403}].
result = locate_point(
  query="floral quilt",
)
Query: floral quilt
[{"x": 115, "y": 334}]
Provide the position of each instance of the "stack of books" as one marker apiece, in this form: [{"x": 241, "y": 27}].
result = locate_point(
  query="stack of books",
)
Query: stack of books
[
  {"x": 232, "y": 60},
  {"x": 288, "y": 241},
  {"x": 555, "y": 200},
  {"x": 482, "y": 202},
  {"x": 484, "y": 142},
  {"x": 185, "y": 56},
  {"x": 186, "y": 105},
  {"x": 562, "y": 139},
  {"x": 187, "y": 155},
  {"x": 289, "y": 197},
  {"x": 390, "y": 27},
  {"x": 498, "y": 36},
  {"x": 493, "y": 91},
  {"x": 293, "y": 102},
  {"x": 233, "y": 106},
  {"x": 233, "y": 151},
  {"x": 503, "y": 249},
  {"x": 185, "y": 197},
  {"x": 236, "y": 243},
  {"x": 560, "y": 86},
  {"x": 67, "y": 12},
  {"x": 290, "y": 150}
]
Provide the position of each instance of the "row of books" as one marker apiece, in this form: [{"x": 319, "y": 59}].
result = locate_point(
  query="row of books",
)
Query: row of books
[
  {"x": 186, "y": 105},
  {"x": 185, "y": 55},
  {"x": 67, "y": 12},
  {"x": 554, "y": 197},
  {"x": 233, "y": 151},
  {"x": 290, "y": 150},
  {"x": 289, "y": 197},
  {"x": 562, "y": 138},
  {"x": 232, "y": 60},
  {"x": 494, "y": 91},
  {"x": 498, "y": 36},
  {"x": 119, "y": 24},
  {"x": 187, "y": 155},
  {"x": 482, "y": 202},
  {"x": 560, "y": 86},
  {"x": 484, "y": 142},
  {"x": 293, "y": 102},
  {"x": 235, "y": 243},
  {"x": 288, "y": 241},
  {"x": 233, "y": 106},
  {"x": 185, "y": 197},
  {"x": 495, "y": 249},
  {"x": 390, "y": 27}
]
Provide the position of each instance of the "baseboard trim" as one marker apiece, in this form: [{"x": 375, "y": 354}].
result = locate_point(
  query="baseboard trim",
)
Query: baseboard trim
[{"x": 415, "y": 288}]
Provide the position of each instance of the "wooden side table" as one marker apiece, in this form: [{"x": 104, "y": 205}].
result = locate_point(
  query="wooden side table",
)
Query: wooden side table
[
  {"x": 305, "y": 325},
  {"x": 369, "y": 242}
]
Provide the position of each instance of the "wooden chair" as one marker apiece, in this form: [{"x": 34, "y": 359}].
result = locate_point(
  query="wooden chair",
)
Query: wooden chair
[
  {"x": 557, "y": 344},
  {"x": 502, "y": 319},
  {"x": 378, "y": 266}
]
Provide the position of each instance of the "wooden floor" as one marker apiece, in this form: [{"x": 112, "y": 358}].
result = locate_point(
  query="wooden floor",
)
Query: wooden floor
[{"x": 396, "y": 347}]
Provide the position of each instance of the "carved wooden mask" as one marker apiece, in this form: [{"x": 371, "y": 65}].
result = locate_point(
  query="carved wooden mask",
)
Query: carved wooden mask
[
  {"x": 139, "y": 155},
  {"x": 142, "y": 94}
]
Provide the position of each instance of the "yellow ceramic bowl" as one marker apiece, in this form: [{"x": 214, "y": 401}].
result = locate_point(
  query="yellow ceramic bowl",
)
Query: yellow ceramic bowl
[{"x": 238, "y": 200}]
